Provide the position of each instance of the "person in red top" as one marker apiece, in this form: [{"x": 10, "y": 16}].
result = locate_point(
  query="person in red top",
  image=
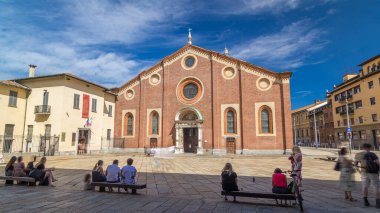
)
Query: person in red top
[{"x": 279, "y": 182}]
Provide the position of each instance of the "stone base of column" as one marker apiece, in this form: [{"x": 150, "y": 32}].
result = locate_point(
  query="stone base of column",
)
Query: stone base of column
[
  {"x": 200, "y": 151},
  {"x": 178, "y": 150}
]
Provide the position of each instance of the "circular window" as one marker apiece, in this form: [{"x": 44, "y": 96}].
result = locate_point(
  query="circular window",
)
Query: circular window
[
  {"x": 129, "y": 94},
  {"x": 263, "y": 84},
  {"x": 228, "y": 73},
  {"x": 189, "y": 91},
  {"x": 154, "y": 79},
  {"x": 190, "y": 61}
]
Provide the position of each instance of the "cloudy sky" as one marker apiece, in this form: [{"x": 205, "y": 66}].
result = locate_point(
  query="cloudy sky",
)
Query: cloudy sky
[{"x": 109, "y": 41}]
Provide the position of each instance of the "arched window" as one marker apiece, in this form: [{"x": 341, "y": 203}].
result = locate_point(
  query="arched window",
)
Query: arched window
[
  {"x": 230, "y": 121},
  {"x": 128, "y": 124},
  {"x": 266, "y": 120},
  {"x": 154, "y": 123},
  {"x": 378, "y": 65},
  {"x": 373, "y": 67}
]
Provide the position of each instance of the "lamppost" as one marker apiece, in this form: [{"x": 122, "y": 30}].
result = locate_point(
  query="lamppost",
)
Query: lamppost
[
  {"x": 315, "y": 131},
  {"x": 348, "y": 125},
  {"x": 295, "y": 130}
]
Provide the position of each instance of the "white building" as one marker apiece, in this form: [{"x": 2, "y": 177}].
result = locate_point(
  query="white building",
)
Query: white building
[{"x": 65, "y": 115}]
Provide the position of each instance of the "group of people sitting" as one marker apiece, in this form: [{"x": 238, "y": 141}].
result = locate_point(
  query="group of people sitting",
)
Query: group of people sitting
[
  {"x": 279, "y": 181},
  {"x": 113, "y": 173},
  {"x": 16, "y": 168},
  {"x": 229, "y": 181}
]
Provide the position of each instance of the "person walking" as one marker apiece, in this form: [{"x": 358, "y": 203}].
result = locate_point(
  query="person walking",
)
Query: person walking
[
  {"x": 369, "y": 164},
  {"x": 347, "y": 178}
]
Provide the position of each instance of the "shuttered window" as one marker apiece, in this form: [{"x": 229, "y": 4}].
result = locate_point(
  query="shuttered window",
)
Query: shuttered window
[
  {"x": 12, "y": 99},
  {"x": 76, "y": 101}
]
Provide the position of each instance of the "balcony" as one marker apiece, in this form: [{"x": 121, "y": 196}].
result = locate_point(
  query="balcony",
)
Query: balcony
[
  {"x": 350, "y": 111},
  {"x": 42, "y": 110}
]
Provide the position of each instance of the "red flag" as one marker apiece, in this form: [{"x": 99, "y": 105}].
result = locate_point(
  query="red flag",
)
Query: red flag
[{"x": 86, "y": 106}]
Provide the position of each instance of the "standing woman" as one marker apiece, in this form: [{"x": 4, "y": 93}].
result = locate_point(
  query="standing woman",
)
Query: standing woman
[
  {"x": 347, "y": 178},
  {"x": 9, "y": 168},
  {"x": 229, "y": 179},
  {"x": 296, "y": 161}
]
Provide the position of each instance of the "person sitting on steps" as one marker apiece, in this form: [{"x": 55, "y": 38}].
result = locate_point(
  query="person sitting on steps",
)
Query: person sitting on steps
[{"x": 229, "y": 179}]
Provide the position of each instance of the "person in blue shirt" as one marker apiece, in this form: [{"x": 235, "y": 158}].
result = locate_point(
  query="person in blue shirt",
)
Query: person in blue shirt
[{"x": 129, "y": 173}]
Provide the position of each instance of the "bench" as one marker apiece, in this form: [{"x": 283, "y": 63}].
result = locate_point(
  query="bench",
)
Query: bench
[
  {"x": 102, "y": 186},
  {"x": 276, "y": 197},
  {"x": 11, "y": 179}
]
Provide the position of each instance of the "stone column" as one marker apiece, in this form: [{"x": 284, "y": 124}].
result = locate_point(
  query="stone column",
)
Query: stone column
[
  {"x": 179, "y": 139},
  {"x": 200, "y": 138}
]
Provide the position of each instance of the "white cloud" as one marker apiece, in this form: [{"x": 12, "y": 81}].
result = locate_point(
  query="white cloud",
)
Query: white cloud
[{"x": 288, "y": 48}]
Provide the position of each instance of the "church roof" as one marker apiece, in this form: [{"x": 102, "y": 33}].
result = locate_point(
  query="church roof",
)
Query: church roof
[{"x": 214, "y": 54}]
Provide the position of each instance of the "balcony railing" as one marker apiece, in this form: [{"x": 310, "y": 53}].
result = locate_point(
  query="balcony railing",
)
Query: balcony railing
[
  {"x": 350, "y": 111},
  {"x": 42, "y": 109}
]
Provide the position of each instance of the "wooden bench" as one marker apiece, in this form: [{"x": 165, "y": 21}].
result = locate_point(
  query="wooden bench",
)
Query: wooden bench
[
  {"x": 276, "y": 197},
  {"x": 102, "y": 186},
  {"x": 11, "y": 179}
]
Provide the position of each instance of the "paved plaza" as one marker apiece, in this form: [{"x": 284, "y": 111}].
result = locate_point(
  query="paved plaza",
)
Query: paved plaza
[{"x": 185, "y": 183}]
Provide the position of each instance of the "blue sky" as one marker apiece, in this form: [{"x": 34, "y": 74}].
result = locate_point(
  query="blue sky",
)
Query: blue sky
[{"x": 109, "y": 42}]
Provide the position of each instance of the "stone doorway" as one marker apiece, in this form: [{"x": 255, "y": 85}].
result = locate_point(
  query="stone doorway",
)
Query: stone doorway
[
  {"x": 188, "y": 125},
  {"x": 190, "y": 140}
]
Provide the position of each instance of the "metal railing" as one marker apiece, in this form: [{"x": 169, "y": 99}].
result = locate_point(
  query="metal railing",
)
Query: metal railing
[{"x": 42, "y": 109}]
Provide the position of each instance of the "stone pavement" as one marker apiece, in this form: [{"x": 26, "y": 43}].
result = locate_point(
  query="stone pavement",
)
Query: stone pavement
[{"x": 185, "y": 183}]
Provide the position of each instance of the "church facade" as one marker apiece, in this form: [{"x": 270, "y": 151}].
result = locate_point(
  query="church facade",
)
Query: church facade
[{"x": 204, "y": 102}]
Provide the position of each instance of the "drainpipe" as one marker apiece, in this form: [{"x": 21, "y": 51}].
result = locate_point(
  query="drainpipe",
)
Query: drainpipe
[
  {"x": 212, "y": 105},
  {"x": 241, "y": 109},
  {"x": 23, "y": 129}
]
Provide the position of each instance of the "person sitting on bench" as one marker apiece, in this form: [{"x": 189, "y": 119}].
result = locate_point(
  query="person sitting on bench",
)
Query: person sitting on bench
[
  {"x": 98, "y": 174},
  {"x": 279, "y": 182},
  {"x": 19, "y": 168},
  {"x": 113, "y": 172},
  {"x": 42, "y": 174},
  {"x": 9, "y": 168},
  {"x": 30, "y": 165},
  {"x": 128, "y": 173},
  {"x": 229, "y": 179}
]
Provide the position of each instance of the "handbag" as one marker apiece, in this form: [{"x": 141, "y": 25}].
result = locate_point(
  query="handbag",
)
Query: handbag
[
  {"x": 337, "y": 166},
  {"x": 36, "y": 173}
]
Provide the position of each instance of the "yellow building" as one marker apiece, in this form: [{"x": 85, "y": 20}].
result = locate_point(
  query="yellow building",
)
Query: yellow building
[
  {"x": 362, "y": 93},
  {"x": 301, "y": 124},
  {"x": 13, "y": 98},
  {"x": 64, "y": 115}
]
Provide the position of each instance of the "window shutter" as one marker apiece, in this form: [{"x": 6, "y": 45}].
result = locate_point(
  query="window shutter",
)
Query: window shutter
[{"x": 86, "y": 106}]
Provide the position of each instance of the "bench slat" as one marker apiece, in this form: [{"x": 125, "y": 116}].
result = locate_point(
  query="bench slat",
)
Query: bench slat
[
  {"x": 260, "y": 195},
  {"x": 119, "y": 185},
  {"x": 25, "y": 179}
]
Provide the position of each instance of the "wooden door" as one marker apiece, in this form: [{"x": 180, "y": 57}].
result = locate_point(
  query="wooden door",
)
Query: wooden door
[
  {"x": 231, "y": 146},
  {"x": 190, "y": 138}
]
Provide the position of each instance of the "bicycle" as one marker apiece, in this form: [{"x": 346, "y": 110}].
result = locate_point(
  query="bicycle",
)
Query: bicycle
[{"x": 295, "y": 188}]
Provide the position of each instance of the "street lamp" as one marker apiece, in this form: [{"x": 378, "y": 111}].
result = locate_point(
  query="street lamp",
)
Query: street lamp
[{"x": 315, "y": 131}]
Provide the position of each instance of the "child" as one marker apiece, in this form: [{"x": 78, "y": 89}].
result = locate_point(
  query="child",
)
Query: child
[
  {"x": 87, "y": 182},
  {"x": 279, "y": 182}
]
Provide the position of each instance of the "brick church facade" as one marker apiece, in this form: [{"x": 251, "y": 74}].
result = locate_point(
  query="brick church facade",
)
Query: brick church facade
[{"x": 204, "y": 102}]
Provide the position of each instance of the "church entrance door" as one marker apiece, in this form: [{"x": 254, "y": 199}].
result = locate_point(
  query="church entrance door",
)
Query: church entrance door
[{"x": 190, "y": 137}]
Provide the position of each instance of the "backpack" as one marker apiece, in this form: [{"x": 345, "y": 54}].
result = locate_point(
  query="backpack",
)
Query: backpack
[{"x": 371, "y": 165}]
